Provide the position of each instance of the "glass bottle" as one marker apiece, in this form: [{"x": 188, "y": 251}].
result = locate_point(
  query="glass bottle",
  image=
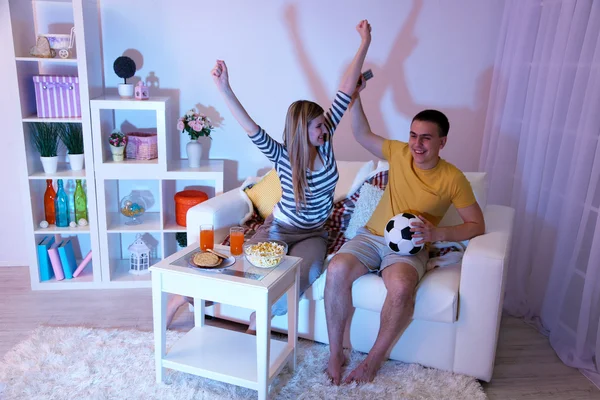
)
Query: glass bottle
[
  {"x": 49, "y": 196},
  {"x": 69, "y": 187},
  {"x": 61, "y": 204},
  {"x": 80, "y": 202}
]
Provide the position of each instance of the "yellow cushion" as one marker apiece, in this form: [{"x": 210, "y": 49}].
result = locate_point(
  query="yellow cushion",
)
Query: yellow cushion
[{"x": 265, "y": 194}]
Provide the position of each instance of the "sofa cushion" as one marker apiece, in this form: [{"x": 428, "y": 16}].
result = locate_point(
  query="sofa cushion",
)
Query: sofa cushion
[
  {"x": 352, "y": 175},
  {"x": 365, "y": 205},
  {"x": 436, "y": 299},
  {"x": 265, "y": 193}
]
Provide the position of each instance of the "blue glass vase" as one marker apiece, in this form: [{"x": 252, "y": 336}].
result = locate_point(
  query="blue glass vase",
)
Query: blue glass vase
[{"x": 61, "y": 206}]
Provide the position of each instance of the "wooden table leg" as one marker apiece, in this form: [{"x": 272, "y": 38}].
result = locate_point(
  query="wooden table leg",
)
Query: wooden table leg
[
  {"x": 263, "y": 346},
  {"x": 292, "y": 302},
  {"x": 159, "y": 312}
]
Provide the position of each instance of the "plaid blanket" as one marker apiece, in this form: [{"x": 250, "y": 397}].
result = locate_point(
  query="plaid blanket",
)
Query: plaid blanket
[{"x": 337, "y": 222}]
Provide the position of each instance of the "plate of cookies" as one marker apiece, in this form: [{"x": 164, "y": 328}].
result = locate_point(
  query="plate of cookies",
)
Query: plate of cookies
[{"x": 210, "y": 261}]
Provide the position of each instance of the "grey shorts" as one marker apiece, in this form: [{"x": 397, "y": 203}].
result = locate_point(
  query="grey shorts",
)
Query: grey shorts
[{"x": 371, "y": 250}]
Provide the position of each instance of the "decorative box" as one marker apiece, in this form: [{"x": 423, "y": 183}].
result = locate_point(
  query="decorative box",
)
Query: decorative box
[
  {"x": 57, "y": 96},
  {"x": 184, "y": 200},
  {"x": 141, "y": 146},
  {"x": 141, "y": 91}
]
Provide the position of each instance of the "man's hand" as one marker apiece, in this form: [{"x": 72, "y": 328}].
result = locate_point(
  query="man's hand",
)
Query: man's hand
[{"x": 424, "y": 230}]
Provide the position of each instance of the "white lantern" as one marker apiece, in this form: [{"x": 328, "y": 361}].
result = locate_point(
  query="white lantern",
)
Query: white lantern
[{"x": 139, "y": 258}]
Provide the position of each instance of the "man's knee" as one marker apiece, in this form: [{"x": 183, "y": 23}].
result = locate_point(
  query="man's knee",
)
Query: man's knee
[
  {"x": 340, "y": 266},
  {"x": 402, "y": 295}
]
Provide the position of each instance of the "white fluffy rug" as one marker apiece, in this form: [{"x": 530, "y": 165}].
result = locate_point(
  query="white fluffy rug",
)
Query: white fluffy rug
[{"x": 82, "y": 363}]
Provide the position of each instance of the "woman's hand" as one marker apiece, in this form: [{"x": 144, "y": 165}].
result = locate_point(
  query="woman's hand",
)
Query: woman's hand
[
  {"x": 364, "y": 29},
  {"x": 220, "y": 75},
  {"x": 424, "y": 230}
]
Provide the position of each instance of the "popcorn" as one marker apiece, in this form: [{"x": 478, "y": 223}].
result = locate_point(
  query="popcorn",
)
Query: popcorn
[{"x": 265, "y": 254}]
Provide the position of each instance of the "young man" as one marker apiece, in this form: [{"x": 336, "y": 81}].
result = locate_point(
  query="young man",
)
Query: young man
[{"x": 422, "y": 183}]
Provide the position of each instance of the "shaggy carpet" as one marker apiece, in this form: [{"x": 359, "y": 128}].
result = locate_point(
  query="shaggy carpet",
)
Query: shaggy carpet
[{"x": 83, "y": 363}]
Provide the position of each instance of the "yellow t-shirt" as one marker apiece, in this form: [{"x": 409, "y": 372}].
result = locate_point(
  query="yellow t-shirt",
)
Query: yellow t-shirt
[{"x": 428, "y": 193}]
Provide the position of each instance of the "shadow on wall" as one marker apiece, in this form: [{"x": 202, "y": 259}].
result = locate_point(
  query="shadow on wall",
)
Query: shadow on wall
[{"x": 466, "y": 124}]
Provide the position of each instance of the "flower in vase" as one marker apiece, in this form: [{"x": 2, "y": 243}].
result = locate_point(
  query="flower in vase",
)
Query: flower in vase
[{"x": 195, "y": 124}]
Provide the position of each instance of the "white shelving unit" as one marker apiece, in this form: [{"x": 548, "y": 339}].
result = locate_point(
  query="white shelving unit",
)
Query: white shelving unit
[
  {"x": 106, "y": 182},
  {"x": 27, "y": 19},
  {"x": 156, "y": 180}
]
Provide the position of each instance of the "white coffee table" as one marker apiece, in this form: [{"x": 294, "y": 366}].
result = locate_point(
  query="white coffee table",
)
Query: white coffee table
[{"x": 221, "y": 354}]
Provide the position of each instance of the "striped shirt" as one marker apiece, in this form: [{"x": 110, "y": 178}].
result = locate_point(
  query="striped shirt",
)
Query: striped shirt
[{"x": 321, "y": 183}]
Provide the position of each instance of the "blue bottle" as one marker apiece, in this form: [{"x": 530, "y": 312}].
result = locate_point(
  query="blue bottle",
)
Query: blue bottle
[{"x": 61, "y": 205}]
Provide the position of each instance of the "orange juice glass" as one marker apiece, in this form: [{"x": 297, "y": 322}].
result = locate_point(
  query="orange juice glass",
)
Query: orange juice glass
[
  {"x": 236, "y": 240},
  {"x": 207, "y": 237}
]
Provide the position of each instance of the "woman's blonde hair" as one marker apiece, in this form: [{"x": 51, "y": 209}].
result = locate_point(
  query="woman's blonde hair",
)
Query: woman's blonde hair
[{"x": 295, "y": 138}]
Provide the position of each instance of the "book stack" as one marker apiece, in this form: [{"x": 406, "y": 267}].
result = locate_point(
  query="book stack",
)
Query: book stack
[{"x": 56, "y": 259}]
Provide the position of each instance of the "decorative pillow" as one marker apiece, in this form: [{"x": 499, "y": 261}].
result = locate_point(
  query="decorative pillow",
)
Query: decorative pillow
[
  {"x": 265, "y": 193},
  {"x": 367, "y": 202}
]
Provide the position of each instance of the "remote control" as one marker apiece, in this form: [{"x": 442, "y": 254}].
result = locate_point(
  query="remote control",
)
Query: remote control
[{"x": 367, "y": 75}]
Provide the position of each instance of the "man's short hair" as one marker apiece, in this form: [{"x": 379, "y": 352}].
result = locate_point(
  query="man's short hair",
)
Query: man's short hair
[{"x": 436, "y": 117}]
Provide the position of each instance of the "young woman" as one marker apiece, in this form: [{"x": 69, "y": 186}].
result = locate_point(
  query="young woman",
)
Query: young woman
[{"x": 306, "y": 167}]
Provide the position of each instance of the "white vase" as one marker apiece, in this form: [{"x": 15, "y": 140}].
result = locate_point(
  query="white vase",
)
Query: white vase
[
  {"x": 125, "y": 90},
  {"x": 76, "y": 161},
  {"x": 194, "y": 151},
  {"x": 117, "y": 152},
  {"x": 50, "y": 164}
]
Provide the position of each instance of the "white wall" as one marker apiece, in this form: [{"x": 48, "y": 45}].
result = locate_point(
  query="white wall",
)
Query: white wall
[{"x": 424, "y": 54}]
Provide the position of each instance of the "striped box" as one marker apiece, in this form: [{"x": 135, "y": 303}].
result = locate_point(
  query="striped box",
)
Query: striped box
[{"x": 57, "y": 96}]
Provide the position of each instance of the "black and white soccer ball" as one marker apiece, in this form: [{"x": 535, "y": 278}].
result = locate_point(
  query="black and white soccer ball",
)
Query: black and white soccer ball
[{"x": 398, "y": 236}]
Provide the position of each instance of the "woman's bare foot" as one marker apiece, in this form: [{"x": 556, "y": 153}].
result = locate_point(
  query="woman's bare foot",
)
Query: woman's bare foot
[
  {"x": 365, "y": 372},
  {"x": 252, "y": 325},
  {"x": 334, "y": 367},
  {"x": 173, "y": 305}
]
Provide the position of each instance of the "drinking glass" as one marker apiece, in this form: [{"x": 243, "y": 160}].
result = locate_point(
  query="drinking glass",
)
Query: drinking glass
[
  {"x": 207, "y": 237},
  {"x": 236, "y": 240}
]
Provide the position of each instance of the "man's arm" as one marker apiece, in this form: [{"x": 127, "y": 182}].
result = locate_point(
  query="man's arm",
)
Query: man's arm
[
  {"x": 362, "y": 130},
  {"x": 473, "y": 225}
]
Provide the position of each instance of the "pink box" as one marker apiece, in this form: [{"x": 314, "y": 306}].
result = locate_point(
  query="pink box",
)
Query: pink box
[{"x": 57, "y": 96}]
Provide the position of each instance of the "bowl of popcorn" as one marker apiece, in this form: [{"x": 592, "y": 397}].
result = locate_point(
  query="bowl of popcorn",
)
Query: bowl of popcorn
[{"x": 265, "y": 254}]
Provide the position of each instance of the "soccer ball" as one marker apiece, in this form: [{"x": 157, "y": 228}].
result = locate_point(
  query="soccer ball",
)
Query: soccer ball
[{"x": 398, "y": 236}]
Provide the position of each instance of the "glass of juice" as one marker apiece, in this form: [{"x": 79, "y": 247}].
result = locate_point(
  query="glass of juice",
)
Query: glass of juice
[
  {"x": 207, "y": 237},
  {"x": 236, "y": 240}
]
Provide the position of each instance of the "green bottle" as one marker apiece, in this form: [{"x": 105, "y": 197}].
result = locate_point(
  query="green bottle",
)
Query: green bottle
[{"x": 80, "y": 202}]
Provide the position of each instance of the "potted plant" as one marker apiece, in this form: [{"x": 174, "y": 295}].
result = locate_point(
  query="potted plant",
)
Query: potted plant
[
  {"x": 117, "y": 141},
  {"x": 125, "y": 68},
  {"x": 44, "y": 137},
  {"x": 72, "y": 137},
  {"x": 181, "y": 238},
  {"x": 196, "y": 125}
]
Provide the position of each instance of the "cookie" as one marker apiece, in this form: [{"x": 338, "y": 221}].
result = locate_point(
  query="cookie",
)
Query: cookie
[{"x": 206, "y": 260}]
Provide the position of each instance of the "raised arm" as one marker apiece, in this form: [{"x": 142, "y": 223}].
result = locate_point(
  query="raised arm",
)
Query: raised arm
[
  {"x": 362, "y": 130},
  {"x": 352, "y": 74},
  {"x": 221, "y": 78}
]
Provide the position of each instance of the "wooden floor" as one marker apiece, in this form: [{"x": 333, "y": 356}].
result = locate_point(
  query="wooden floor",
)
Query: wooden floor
[{"x": 526, "y": 365}]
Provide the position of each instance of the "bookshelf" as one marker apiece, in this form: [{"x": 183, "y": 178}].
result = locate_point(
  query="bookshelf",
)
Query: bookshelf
[
  {"x": 156, "y": 181},
  {"x": 105, "y": 181},
  {"x": 27, "y": 19}
]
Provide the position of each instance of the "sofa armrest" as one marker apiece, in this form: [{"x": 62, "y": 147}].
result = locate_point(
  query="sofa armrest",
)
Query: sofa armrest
[
  {"x": 222, "y": 211},
  {"x": 481, "y": 294}
]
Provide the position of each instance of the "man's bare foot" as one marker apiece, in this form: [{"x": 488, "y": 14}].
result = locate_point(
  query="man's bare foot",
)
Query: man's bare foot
[
  {"x": 252, "y": 325},
  {"x": 334, "y": 367},
  {"x": 365, "y": 372}
]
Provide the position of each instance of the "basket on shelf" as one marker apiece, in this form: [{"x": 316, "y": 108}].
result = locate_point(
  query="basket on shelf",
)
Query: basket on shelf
[{"x": 141, "y": 146}]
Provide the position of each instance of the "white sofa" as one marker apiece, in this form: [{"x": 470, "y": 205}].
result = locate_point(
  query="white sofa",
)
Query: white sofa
[{"x": 458, "y": 308}]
